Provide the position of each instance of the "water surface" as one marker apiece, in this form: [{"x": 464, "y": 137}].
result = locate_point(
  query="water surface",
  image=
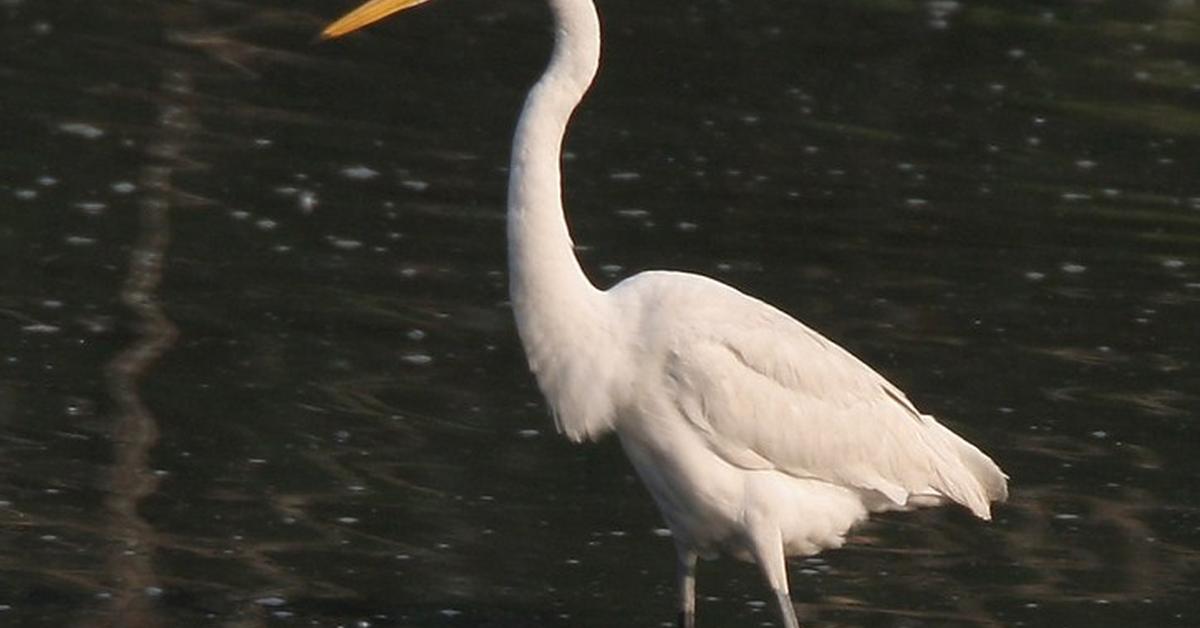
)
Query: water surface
[{"x": 257, "y": 367}]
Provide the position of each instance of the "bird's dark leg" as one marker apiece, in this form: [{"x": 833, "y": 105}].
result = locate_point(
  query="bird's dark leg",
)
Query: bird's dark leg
[{"x": 686, "y": 573}]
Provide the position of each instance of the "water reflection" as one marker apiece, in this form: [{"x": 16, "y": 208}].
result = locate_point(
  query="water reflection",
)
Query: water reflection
[{"x": 994, "y": 203}]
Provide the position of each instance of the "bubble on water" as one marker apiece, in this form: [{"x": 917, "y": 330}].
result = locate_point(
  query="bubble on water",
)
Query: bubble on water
[
  {"x": 92, "y": 208},
  {"x": 153, "y": 591},
  {"x": 239, "y": 214},
  {"x": 625, "y": 176},
  {"x": 347, "y": 520},
  {"x": 1074, "y": 197},
  {"x": 271, "y": 601},
  {"x": 78, "y": 240},
  {"x": 82, "y": 129},
  {"x": 1073, "y": 268},
  {"x": 41, "y": 328},
  {"x": 1085, "y": 164},
  {"x": 633, "y": 213},
  {"x": 47, "y": 181},
  {"x": 686, "y": 227},
  {"x": 661, "y": 532},
  {"x": 416, "y": 185},
  {"x": 450, "y": 612},
  {"x": 1173, "y": 264},
  {"x": 415, "y": 334},
  {"x": 416, "y": 359},
  {"x": 123, "y": 187},
  {"x": 307, "y": 201},
  {"x": 528, "y": 433},
  {"x": 345, "y": 244},
  {"x": 360, "y": 172},
  {"x": 25, "y": 194},
  {"x": 266, "y": 224}
]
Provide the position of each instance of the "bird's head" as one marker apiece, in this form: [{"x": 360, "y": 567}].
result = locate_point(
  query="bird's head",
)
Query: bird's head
[{"x": 367, "y": 13}]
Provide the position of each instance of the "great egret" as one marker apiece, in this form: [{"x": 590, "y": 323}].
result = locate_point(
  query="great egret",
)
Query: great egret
[{"x": 756, "y": 436}]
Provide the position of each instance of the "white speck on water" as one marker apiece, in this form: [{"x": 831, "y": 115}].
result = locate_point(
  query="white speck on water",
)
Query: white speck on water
[
  {"x": 415, "y": 334},
  {"x": 239, "y": 214},
  {"x": 1075, "y": 197},
  {"x": 153, "y": 591},
  {"x": 661, "y": 532},
  {"x": 75, "y": 240},
  {"x": 41, "y": 328},
  {"x": 82, "y": 129},
  {"x": 1173, "y": 264},
  {"x": 271, "y": 601},
  {"x": 256, "y": 460},
  {"x": 47, "y": 181},
  {"x": 416, "y": 185},
  {"x": 610, "y": 269},
  {"x": 416, "y": 359},
  {"x": 91, "y": 208},
  {"x": 48, "y": 537},
  {"x": 633, "y": 213},
  {"x": 996, "y": 88},
  {"x": 915, "y": 202},
  {"x": 1085, "y": 164},
  {"x": 1065, "y": 516},
  {"x": 266, "y": 224},
  {"x": 1034, "y": 275},
  {"x": 1016, "y": 53},
  {"x": 756, "y": 604},
  {"x": 1073, "y": 268},
  {"x": 122, "y": 187},
  {"x": 345, "y": 244},
  {"x": 360, "y": 172},
  {"x": 625, "y": 176},
  {"x": 687, "y": 227},
  {"x": 262, "y": 142},
  {"x": 450, "y": 612},
  {"x": 356, "y": 488},
  {"x": 306, "y": 201},
  {"x": 528, "y": 433},
  {"x": 1099, "y": 434},
  {"x": 25, "y": 194},
  {"x": 347, "y": 520}
]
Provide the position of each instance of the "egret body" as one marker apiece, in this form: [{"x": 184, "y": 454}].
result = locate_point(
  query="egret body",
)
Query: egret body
[{"x": 756, "y": 436}]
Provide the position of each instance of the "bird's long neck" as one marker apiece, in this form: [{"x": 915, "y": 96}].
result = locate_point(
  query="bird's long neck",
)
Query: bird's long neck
[{"x": 549, "y": 291}]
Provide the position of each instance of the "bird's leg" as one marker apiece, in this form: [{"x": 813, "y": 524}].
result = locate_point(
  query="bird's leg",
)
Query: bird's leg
[
  {"x": 686, "y": 573},
  {"x": 766, "y": 543}
]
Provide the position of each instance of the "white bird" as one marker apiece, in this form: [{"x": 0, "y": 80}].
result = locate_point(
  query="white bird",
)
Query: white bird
[{"x": 756, "y": 436}]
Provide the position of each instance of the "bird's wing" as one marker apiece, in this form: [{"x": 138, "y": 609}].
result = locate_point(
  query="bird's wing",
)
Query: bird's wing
[{"x": 768, "y": 392}]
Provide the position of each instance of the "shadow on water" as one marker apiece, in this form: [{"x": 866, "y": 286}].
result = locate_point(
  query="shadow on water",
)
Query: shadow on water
[{"x": 310, "y": 408}]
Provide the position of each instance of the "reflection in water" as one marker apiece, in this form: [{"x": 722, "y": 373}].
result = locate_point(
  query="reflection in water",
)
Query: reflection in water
[{"x": 134, "y": 581}]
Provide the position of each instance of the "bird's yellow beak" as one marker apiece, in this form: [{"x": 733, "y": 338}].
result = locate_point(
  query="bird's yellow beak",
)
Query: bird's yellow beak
[{"x": 370, "y": 12}]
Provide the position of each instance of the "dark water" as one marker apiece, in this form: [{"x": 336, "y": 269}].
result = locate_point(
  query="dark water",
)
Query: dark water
[{"x": 257, "y": 368}]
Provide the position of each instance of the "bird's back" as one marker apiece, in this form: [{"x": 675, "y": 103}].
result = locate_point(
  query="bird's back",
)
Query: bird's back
[{"x": 763, "y": 392}]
